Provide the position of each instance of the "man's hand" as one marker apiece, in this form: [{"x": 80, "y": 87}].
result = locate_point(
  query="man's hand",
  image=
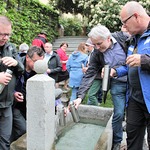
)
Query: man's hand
[
  {"x": 102, "y": 73},
  {"x": 134, "y": 60},
  {"x": 9, "y": 61},
  {"x": 48, "y": 71},
  {"x": 113, "y": 73},
  {"x": 18, "y": 96},
  {"x": 5, "y": 78},
  {"x": 77, "y": 102},
  {"x": 84, "y": 69}
]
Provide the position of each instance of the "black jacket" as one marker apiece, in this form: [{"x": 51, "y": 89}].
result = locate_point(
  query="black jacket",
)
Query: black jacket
[
  {"x": 21, "y": 87},
  {"x": 54, "y": 65},
  {"x": 93, "y": 72},
  {"x": 7, "y": 97}
]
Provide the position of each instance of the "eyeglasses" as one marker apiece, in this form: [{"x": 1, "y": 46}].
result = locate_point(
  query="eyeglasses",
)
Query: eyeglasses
[
  {"x": 2, "y": 35},
  {"x": 125, "y": 21},
  {"x": 32, "y": 59}
]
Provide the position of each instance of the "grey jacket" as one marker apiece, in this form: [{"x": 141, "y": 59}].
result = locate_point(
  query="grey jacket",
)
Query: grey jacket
[{"x": 6, "y": 97}]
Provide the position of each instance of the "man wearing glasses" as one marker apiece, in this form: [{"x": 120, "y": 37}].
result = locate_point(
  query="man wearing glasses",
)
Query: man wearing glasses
[
  {"x": 137, "y": 22},
  {"x": 8, "y": 60},
  {"x": 19, "y": 108}
]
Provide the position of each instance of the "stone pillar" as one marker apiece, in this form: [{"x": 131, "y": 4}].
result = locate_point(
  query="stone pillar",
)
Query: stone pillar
[{"x": 40, "y": 111}]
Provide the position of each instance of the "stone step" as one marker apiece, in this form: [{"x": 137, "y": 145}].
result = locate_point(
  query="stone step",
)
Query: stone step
[
  {"x": 71, "y": 37},
  {"x": 73, "y": 42}
]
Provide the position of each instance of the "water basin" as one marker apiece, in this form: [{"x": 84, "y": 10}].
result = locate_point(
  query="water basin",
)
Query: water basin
[{"x": 80, "y": 136}]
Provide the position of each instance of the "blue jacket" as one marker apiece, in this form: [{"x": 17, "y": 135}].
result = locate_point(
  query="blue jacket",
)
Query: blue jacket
[
  {"x": 74, "y": 67},
  {"x": 143, "y": 48}
]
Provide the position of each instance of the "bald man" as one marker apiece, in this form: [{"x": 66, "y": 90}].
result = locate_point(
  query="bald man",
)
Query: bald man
[{"x": 137, "y": 23}]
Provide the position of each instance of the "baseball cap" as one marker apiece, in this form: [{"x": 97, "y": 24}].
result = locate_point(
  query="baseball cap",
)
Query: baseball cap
[{"x": 43, "y": 32}]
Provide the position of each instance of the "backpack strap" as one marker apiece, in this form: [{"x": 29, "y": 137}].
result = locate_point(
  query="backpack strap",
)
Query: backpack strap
[{"x": 122, "y": 39}]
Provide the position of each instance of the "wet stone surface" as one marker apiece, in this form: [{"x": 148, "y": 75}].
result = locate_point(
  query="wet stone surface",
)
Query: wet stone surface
[{"x": 79, "y": 137}]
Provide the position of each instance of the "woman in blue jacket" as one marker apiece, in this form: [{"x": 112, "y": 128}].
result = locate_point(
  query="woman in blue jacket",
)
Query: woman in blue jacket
[{"x": 76, "y": 62}]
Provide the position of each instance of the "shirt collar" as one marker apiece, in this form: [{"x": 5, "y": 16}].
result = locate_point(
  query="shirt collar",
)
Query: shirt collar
[{"x": 113, "y": 42}]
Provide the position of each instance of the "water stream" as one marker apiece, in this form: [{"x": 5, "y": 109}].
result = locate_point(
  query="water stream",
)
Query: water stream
[{"x": 80, "y": 136}]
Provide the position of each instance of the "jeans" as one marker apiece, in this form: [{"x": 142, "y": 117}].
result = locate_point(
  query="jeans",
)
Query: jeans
[
  {"x": 74, "y": 93},
  {"x": 93, "y": 92},
  {"x": 5, "y": 127},
  {"x": 118, "y": 93}
]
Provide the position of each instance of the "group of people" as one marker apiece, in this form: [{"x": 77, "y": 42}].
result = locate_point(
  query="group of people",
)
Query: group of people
[
  {"x": 13, "y": 96},
  {"x": 129, "y": 61},
  {"x": 127, "y": 56}
]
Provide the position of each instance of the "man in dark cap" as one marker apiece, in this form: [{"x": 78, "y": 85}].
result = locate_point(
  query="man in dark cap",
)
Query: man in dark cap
[{"x": 40, "y": 40}]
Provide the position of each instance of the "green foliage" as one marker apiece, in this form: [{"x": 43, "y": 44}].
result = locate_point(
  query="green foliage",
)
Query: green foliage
[
  {"x": 95, "y": 12},
  {"x": 29, "y": 17},
  {"x": 72, "y": 26},
  {"x": 108, "y": 103},
  {"x": 106, "y": 12}
]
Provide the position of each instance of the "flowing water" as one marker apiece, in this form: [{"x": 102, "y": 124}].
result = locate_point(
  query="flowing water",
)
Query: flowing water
[{"x": 80, "y": 136}]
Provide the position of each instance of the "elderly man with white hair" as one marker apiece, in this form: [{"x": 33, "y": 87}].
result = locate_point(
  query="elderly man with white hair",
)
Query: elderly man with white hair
[
  {"x": 23, "y": 48},
  {"x": 113, "y": 50}
]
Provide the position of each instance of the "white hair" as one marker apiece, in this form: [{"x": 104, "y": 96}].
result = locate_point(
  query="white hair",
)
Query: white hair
[
  {"x": 99, "y": 31},
  {"x": 23, "y": 47}
]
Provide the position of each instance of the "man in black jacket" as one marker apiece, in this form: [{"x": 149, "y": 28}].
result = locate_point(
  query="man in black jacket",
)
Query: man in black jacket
[
  {"x": 53, "y": 61},
  {"x": 93, "y": 72},
  {"x": 9, "y": 60},
  {"x": 96, "y": 64},
  {"x": 112, "y": 47},
  {"x": 19, "y": 108}
]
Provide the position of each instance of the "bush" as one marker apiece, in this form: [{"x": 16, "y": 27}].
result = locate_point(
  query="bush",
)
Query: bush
[
  {"x": 29, "y": 17},
  {"x": 108, "y": 103},
  {"x": 72, "y": 26}
]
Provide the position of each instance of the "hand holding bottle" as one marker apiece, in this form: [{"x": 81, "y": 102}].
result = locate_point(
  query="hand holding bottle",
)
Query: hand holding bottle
[{"x": 5, "y": 78}]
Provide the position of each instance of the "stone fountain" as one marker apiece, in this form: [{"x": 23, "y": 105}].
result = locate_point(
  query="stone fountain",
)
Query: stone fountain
[{"x": 43, "y": 126}]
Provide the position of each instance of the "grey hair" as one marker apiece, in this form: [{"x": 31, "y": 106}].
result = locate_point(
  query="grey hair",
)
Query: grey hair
[
  {"x": 99, "y": 31},
  {"x": 35, "y": 49},
  {"x": 23, "y": 47}
]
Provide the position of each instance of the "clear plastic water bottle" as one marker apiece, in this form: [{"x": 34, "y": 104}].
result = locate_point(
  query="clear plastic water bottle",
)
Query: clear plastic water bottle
[{"x": 2, "y": 85}]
